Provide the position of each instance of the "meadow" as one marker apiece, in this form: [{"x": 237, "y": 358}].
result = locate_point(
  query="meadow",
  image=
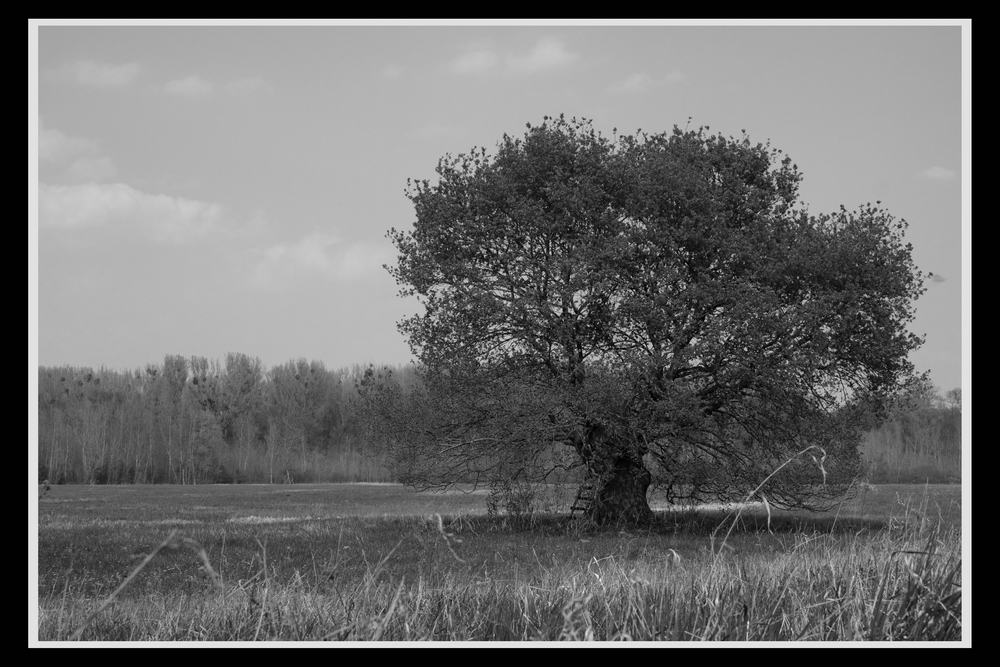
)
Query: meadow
[{"x": 376, "y": 562}]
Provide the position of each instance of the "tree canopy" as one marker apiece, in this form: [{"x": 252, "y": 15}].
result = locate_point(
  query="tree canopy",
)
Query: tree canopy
[{"x": 656, "y": 308}]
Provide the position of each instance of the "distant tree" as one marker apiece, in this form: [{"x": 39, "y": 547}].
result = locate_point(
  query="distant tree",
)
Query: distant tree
[
  {"x": 657, "y": 307},
  {"x": 301, "y": 405},
  {"x": 170, "y": 416},
  {"x": 276, "y": 447},
  {"x": 953, "y": 399},
  {"x": 242, "y": 391},
  {"x": 194, "y": 420}
]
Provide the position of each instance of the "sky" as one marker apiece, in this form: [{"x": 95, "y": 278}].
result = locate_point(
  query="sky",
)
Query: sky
[{"x": 202, "y": 189}]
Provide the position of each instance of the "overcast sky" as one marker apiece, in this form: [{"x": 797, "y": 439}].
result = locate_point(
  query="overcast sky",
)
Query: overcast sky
[{"x": 206, "y": 189}]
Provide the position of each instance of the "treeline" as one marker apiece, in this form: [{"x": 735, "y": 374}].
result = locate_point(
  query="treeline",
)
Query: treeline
[
  {"x": 196, "y": 421},
  {"x": 920, "y": 443}
]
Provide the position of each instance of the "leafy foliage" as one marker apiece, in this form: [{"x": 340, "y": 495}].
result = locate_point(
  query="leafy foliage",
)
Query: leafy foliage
[{"x": 656, "y": 307}]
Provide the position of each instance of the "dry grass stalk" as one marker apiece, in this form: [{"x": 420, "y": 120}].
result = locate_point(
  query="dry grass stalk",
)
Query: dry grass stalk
[{"x": 171, "y": 542}]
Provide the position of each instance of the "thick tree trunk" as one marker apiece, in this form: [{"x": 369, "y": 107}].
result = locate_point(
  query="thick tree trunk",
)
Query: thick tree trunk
[
  {"x": 619, "y": 476},
  {"x": 621, "y": 496}
]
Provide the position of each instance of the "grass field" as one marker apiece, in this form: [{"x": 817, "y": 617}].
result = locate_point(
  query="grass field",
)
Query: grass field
[{"x": 377, "y": 562}]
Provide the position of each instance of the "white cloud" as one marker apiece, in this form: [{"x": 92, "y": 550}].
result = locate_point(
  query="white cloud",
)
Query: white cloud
[
  {"x": 59, "y": 147},
  {"x": 171, "y": 219},
  {"x": 474, "y": 62},
  {"x": 100, "y": 75},
  {"x": 938, "y": 174},
  {"x": 320, "y": 254},
  {"x": 641, "y": 82},
  {"x": 92, "y": 170},
  {"x": 189, "y": 86},
  {"x": 548, "y": 54},
  {"x": 312, "y": 254},
  {"x": 80, "y": 154},
  {"x": 362, "y": 259}
]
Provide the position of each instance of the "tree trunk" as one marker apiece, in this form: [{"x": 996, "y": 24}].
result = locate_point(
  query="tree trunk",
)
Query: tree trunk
[
  {"x": 620, "y": 477},
  {"x": 621, "y": 494}
]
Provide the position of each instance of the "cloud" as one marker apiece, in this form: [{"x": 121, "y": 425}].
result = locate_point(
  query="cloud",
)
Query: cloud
[
  {"x": 59, "y": 147},
  {"x": 361, "y": 259},
  {"x": 170, "y": 219},
  {"x": 474, "y": 62},
  {"x": 99, "y": 75},
  {"x": 85, "y": 165},
  {"x": 641, "y": 82},
  {"x": 548, "y": 54},
  {"x": 189, "y": 86},
  {"x": 312, "y": 254},
  {"x": 938, "y": 174},
  {"x": 320, "y": 254},
  {"x": 92, "y": 170}
]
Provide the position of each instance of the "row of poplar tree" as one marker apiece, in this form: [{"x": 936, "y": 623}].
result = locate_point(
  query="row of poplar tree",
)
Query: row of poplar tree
[{"x": 195, "y": 421}]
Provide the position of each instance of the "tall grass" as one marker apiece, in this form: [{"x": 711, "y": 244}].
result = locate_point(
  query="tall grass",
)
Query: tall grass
[{"x": 472, "y": 580}]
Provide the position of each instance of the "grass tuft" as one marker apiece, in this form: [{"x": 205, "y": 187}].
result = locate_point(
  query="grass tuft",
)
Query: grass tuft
[{"x": 881, "y": 569}]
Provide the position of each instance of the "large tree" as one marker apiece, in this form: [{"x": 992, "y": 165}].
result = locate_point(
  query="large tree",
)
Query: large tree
[{"x": 650, "y": 308}]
